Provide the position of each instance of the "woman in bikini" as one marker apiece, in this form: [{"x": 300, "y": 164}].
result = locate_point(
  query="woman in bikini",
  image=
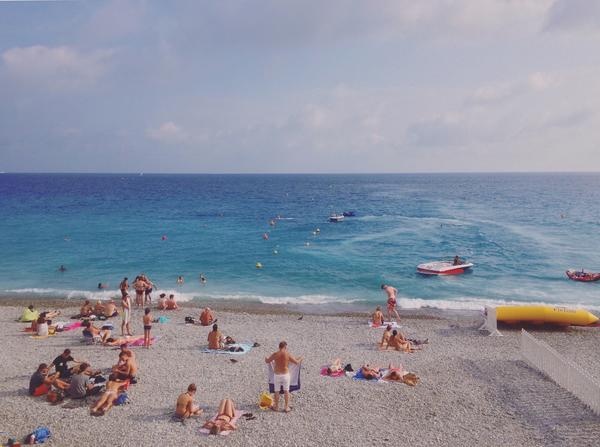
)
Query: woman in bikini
[
  {"x": 370, "y": 373},
  {"x": 335, "y": 367},
  {"x": 107, "y": 399},
  {"x": 223, "y": 420}
]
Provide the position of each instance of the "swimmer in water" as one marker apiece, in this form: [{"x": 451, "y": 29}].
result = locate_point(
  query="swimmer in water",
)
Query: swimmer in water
[
  {"x": 62, "y": 268},
  {"x": 102, "y": 286},
  {"x": 202, "y": 278},
  {"x": 180, "y": 280}
]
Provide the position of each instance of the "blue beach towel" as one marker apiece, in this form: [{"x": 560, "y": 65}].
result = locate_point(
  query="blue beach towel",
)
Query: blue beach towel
[
  {"x": 359, "y": 376},
  {"x": 247, "y": 347}
]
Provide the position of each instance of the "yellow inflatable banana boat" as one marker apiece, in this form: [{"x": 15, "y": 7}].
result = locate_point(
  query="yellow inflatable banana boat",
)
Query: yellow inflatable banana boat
[{"x": 545, "y": 315}]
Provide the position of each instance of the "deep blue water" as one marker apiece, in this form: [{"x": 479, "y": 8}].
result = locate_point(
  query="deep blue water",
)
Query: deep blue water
[{"x": 521, "y": 230}]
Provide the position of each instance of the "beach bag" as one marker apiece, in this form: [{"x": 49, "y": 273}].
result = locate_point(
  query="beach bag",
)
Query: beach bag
[
  {"x": 265, "y": 401},
  {"x": 122, "y": 399},
  {"x": 163, "y": 319},
  {"x": 190, "y": 320},
  {"x": 55, "y": 396}
]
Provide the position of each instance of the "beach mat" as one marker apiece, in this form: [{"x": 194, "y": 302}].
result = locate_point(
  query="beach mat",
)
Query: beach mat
[
  {"x": 394, "y": 325},
  {"x": 247, "y": 347},
  {"x": 206, "y": 431},
  {"x": 341, "y": 373}
]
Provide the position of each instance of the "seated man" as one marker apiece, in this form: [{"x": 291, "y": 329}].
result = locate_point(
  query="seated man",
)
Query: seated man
[
  {"x": 223, "y": 420},
  {"x": 457, "y": 261},
  {"x": 399, "y": 343},
  {"x": 206, "y": 317},
  {"x": 110, "y": 309},
  {"x": 162, "y": 302},
  {"x": 126, "y": 369},
  {"x": 99, "y": 308},
  {"x": 109, "y": 396},
  {"x": 215, "y": 338},
  {"x": 377, "y": 317},
  {"x": 80, "y": 385},
  {"x": 86, "y": 310},
  {"x": 385, "y": 339},
  {"x": 40, "y": 382},
  {"x": 61, "y": 364},
  {"x": 185, "y": 407},
  {"x": 171, "y": 304},
  {"x": 92, "y": 331}
]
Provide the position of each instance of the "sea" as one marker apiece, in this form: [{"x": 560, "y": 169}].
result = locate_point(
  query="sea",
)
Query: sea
[{"x": 522, "y": 231}]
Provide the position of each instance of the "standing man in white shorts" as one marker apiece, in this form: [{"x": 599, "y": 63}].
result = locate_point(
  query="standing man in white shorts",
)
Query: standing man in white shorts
[
  {"x": 126, "y": 303},
  {"x": 282, "y": 359}
]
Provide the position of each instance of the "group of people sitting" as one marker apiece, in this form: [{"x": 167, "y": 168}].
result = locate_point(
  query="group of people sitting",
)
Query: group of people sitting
[
  {"x": 223, "y": 421},
  {"x": 393, "y": 339},
  {"x": 165, "y": 303},
  {"x": 79, "y": 380},
  {"x": 100, "y": 310}
]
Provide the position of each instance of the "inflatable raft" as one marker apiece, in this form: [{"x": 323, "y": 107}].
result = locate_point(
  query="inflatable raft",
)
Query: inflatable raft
[
  {"x": 562, "y": 316},
  {"x": 579, "y": 275},
  {"x": 443, "y": 268}
]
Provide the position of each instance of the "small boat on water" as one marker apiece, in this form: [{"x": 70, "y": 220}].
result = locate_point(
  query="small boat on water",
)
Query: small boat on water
[
  {"x": 582, "y": 276},
  {"x": 443, "y": 268},
  {"x": 349, "y": 213},
  {"x": 336, "y": 218}
]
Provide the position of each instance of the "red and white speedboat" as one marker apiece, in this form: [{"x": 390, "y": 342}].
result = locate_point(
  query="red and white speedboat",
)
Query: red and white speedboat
[
  {"x": 443, "y": 268},
  {"x": 580, "y": 275}
]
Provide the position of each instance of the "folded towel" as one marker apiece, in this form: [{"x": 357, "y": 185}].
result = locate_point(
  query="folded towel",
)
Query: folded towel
[
  {"x": 294, "y": 378},
  {"x": 247, "y": 347},
  {"x": 238, "y": 414},
  {"x": 335, "y": 374}
]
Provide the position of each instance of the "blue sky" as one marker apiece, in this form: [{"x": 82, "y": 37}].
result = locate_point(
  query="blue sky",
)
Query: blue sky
[{"x": 300, "y": 86}]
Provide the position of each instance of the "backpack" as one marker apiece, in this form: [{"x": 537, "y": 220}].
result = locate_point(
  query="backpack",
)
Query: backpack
[
  {"x": 39, "y": 436},
  {"x": 55, "y": 397},
  {"x": 122, "y": 399},
  {"x": 190, "y": 320}
]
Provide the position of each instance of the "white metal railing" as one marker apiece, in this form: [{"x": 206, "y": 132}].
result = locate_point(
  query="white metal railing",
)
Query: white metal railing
[{"x": 565, "y": 373}]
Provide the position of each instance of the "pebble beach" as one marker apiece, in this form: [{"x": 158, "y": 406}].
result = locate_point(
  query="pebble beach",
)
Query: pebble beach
[{"x": 473, "y": 389}]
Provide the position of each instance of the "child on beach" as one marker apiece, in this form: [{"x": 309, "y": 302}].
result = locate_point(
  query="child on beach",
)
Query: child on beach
[{"x": 147, "y": 327}]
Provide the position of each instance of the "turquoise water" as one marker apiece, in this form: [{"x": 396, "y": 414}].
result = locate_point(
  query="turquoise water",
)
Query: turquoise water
[{"x": 522, "y": 231}]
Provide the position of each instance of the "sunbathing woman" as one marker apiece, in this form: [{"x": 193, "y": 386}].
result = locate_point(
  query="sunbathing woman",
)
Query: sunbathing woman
[
  {"x": 370, "y": 373},
  {"x": 335, "y": 367},
  {"x": 107, "y": 399},
  {"x": 399, "y": 343},
  {"x": 92, "y": 331},
  {"x": 223, "y": 420},
  {"x": 122, "y": 341},
  {"x": 394, "y": 374}
]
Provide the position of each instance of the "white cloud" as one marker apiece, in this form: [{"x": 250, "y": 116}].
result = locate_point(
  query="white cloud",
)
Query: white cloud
[
  {"x": 56, "y": 67},
  {"x": 573, "y": 16},
  {"x": 167, "y": 132}
]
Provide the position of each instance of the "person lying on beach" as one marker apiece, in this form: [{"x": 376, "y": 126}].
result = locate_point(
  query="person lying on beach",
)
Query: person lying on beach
[
  {"x": 394, "y": 374},
  {"x": 185, "y": 407},
  {"x": 171, "y": 304},
  {"x": 385, "y": 338},
  {"x": 162, "y": 302},
  {"x": 206, "y": 317},
  {"x": 111, "y": 341},
  {"x": 229, "y": 341},
  {"x": 106, "y": 401},
  {"x": 215, "y": 338},
  {"x": 41, "y": 382},
  {"x": 223, "y": 420},
  {"x": 398, "y": 342},
  {"x": 89, "y": 330},
  {"x": 335, "y": 367},
  {"x": 370, "y": 373},
  {"x": 378, "y": 317},
  {"x": 61, "y": 364}
]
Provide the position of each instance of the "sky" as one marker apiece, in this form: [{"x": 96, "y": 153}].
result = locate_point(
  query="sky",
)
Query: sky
[{"x": 302, "y": 86}]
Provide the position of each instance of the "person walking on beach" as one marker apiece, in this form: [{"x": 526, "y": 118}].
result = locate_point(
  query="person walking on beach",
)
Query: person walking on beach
[
  {"x": 391, "y": 301},
  {"x": 126, "y": 305},
  {"x": 124, "y": 287},
  {"x": 147, "y": 327},
  {"x": 281, "y": 360}
]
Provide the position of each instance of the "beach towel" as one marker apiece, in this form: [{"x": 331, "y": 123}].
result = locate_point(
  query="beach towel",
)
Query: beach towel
[
  {"x": 359, "y": 376},
  {"x": 247, "y": 347},
  {"x": 294, "y": 378},
  {"x": 71, "y": 326},
  {"x": 206, "y": 431},
  {"x": 384, "y": 325},
  {"x": 140, "y": 342},
  {"x": 162, "y": 320},
  {"x": 341, "y": 373}
]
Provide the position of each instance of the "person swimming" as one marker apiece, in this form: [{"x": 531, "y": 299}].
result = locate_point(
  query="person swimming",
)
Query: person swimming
[{"x": 62, "y": 268}]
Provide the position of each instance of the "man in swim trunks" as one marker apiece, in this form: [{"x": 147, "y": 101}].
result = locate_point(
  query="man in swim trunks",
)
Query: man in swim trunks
[
  {"x": 124, "y": 287},
  {"x": 223, "y": 420},
  {"x": 126, "y": 306},
  {"x": 147, "y": 327},
  {"x": 185, "y": 407},
  {"x": 378, "y": 317},
  {"x": 147, "y": 290},
  {"x": 140, "y": 287},
  {"x": 86, "y": 309},
  {"x": 110, "y": 309},
  {"x": 281, "y": 360},
  {"x": 215, "y": 338},
  {"x": 206, "y": 317},
  {"x": 391, "y": 302},
  {"x": 171, "y": 303}
]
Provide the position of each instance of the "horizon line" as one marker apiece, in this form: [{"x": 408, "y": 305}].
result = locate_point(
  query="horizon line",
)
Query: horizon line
[{"x": 141, "y": 173}]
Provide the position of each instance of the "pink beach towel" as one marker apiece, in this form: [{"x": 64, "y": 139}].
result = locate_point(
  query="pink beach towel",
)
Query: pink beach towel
[
  {"x": 140, "y": 342},
  {"x": 74, "y": 325},
  {"x": 238, "y": 414},
  {"x": 335, "y": 374}
]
